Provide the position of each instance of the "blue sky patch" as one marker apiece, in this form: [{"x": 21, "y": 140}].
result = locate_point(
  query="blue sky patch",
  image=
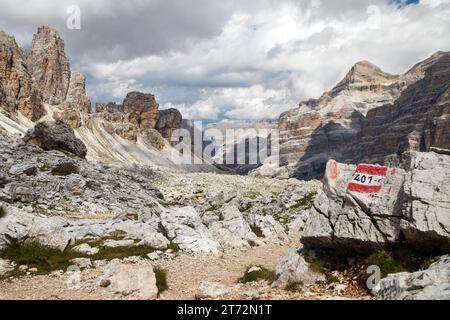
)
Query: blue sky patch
[{"x": 404, "y": 3}]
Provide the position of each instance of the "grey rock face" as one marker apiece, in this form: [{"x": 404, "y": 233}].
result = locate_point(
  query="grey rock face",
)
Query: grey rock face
[
  {"x": 426, "y": 201},
  {"x": 5, "y": 267},
  {"x": 293, "y": 268},
  {"x": 430, "y": 284},
  {"x": 169, "y": 120},
  {"x": 232, "y": 231},
  {"x": 184, "y": 226},
  {"x": 400, "y": 207},
  {"x": 136, "y": 279},
  {"x": 19, "y": 227},
  {"x": 56, "y": 136}
]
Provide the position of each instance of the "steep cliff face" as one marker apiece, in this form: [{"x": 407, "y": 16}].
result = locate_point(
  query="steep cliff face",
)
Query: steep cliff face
[
  {"x": 17, "y": 92},
  {"x": 369, "y": 115},
  {"x": 27, "y": 83},
  {"x": 41, "y": 86},
  {"x": 49, "y": 65},
  {"x": 138, "y": 118},
  {"x": 169, "y": 120},
  {"x": 142, "y": 109}
]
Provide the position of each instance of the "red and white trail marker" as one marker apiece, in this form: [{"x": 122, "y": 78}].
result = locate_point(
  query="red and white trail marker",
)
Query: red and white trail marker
[{"x": 368, "y": 178}]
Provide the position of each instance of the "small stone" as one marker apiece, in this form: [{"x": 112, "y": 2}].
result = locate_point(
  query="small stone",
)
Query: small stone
[
  {"x": 153, "y": 256},
  {"x": 86, "y": 249},
  {"x": 82, "y": 263},
  {"x": 23, "y": 268},
  {"x": 118, "y": 243},
  {"x": 254, "y": 269}
]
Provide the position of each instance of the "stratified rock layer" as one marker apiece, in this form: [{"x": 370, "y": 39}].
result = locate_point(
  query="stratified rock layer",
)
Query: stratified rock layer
[{"x": 369, "y": 115}]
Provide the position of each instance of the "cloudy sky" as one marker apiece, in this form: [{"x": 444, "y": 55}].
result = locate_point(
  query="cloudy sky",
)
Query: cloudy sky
[{"x": 233, "y": 59}]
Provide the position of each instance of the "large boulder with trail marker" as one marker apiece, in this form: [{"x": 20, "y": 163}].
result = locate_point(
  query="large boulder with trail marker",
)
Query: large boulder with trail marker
[{"x": 366, "y": 207}]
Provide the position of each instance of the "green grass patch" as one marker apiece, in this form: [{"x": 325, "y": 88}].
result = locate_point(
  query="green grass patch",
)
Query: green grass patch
[
  {"x": 262, "y": 274},
  {"x": 252, "y": 195},
  {"x": 121, "y": 252},
  {"x": 294, "y": 286},
  {"x": 332, "y": 279},
  {"x": 213, "y": 208},
  {"x": 43, "y": 258},
  {"x": 257, "y": 231},
  {"x": 306, "y": 202},
  {"x": 46, "y": 259},
  {"x": 174, "y": 247},
  {"x": 245, "y": 208},
  {"x": 161, "y": 279},
  {"x": 252, "y": 243},
  {"x": 385, "y": 262}
]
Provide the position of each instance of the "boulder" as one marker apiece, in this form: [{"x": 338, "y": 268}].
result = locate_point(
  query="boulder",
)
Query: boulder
[
  {"x": 430, "y": 284},
  {"x": 64, "y": 168},
  {"x": 366, "y": 207},
  {"x": 118, "y": 243},
  {"x": 426, "y": 202},
  {"x": 184, "y": 227},
  {"x": 293, "y": 268},
  {"x": 56, "y": 136},
  {"x": 5, "y": 267},
  {"x": 153, "y": 138},
  {"x": 82, "y": 263},
  {"x": 135, "y": 279},
  {"x": 85, "y": 248},
  {"x": 18, "y": 227},
  {"x": 27, "y": 169},
  {"x": 269, "y": 227},
  {"x": 20, "y": 192},
  {"x": 232, "y": 231},
  {"x": 212, "y": 290}
]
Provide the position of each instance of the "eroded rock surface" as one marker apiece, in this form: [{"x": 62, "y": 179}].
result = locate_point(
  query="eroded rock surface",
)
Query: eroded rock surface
[
  {"x": 393, "y": 207},
  {"x": 430, "y": 284}
]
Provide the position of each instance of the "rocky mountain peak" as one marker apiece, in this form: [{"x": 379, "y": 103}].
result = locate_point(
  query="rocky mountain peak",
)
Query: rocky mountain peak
[
  {"x": 49, "y": 66},
  {"x": 368, "y": 116},
  {"x": 363, "y": 73},
  {"x": 17, "y": 91}
]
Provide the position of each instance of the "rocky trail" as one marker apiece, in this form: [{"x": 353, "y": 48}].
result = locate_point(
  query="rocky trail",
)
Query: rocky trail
[{"x": 189, "y": 276}]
